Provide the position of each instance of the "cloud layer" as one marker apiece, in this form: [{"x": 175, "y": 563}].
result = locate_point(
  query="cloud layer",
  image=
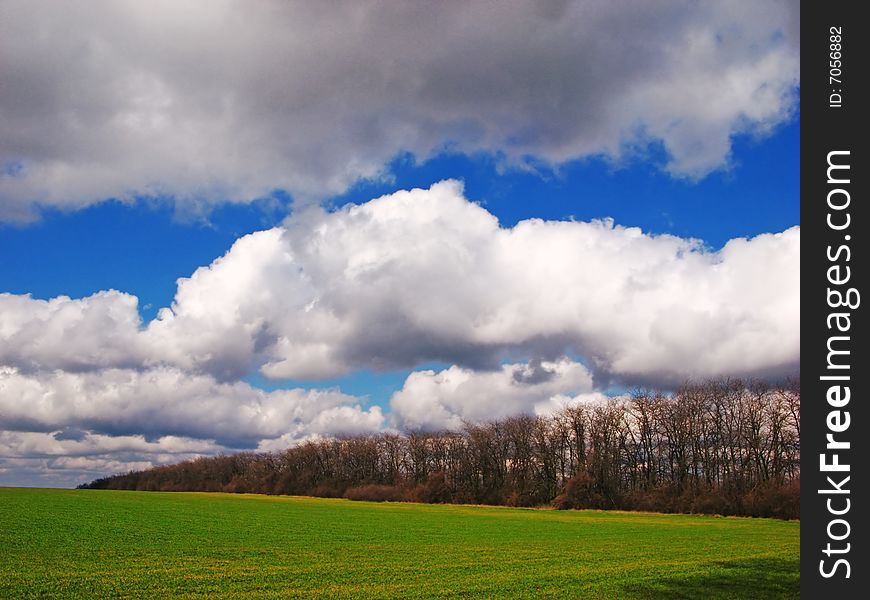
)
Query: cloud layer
[
  {"x": 210, "y": 101},
  {"x": 446, "y": 399},
  {"x": 426, "y": 275},
  {"x": 55, "y": 460},
  {"x": 63, "y": 427},
  {"x": 160, "y": 402}
]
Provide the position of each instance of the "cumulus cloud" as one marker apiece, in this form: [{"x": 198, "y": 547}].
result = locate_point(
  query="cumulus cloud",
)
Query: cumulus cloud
[
  {"x": 166, "y": 401},
  {"x": 426, "y": 275},
  {"x": 51, "y": 460},
  {"x": 446, "y": 399},
  {"x": 101, "y": 331},
  {"x": 554, "y": 404},
  {"x": 63, "y": 428},
  {"x": 211, "y": 101}
]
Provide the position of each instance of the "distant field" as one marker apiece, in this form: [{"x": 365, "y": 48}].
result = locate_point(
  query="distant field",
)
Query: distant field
[{"x": 100, "y": 544}]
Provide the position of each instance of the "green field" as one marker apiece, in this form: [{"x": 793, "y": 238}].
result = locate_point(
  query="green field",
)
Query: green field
[{"x": 101, "y": 544}]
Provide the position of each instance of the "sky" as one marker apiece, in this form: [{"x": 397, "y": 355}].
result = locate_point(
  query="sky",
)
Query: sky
[{"x": 230, "y": 225}]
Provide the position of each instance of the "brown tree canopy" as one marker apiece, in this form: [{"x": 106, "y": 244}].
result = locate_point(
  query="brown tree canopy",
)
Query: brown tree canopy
[{"x": 727, "y": 447}]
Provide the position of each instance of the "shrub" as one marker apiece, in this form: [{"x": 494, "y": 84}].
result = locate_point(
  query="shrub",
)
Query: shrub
[
  {"x": 772, "y": 500},
  {"x": 376, "y": 493},
  {"x": 434, "y": 491},
  {"x": 579, "y": 492},
  {"x": 328, "y": 490}
]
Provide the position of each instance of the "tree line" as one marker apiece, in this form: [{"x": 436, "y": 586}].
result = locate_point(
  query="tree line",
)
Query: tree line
[{"x": 728, "y": 447}]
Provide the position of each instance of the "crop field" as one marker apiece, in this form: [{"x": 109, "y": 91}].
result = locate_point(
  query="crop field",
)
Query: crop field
[{"x": 109, "y": 544}]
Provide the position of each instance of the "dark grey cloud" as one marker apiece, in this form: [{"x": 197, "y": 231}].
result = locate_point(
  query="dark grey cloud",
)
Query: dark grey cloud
[
  {"x": 70, "y": 433},
  {"x": 533, "y": 373},
  {"x": 214, "y": 101}
]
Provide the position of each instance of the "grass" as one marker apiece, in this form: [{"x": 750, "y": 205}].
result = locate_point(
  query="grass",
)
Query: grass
[{"x": 108, "y": 544}]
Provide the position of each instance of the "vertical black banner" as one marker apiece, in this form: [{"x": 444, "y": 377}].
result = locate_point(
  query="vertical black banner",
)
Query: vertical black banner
[{"x": 834, "y": 370}]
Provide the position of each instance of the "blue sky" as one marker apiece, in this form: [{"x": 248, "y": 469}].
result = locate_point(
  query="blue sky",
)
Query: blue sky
[{"x": 409, "y": 219}]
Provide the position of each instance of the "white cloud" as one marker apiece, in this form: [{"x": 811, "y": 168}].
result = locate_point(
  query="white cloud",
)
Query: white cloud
[
  {"x": 559, "y": 402},
  {"x": 210, "y": 101},
  {"x": 60, "y": 429},
  {"x": 426, "y": 275},
  {"x": 168, "y": 402},
  {"x": 101, "y": 330},
  {"x": 445, "y": 399},
  {"x": 55, "y": 460},
  {"x": 89, "y": 444}
]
